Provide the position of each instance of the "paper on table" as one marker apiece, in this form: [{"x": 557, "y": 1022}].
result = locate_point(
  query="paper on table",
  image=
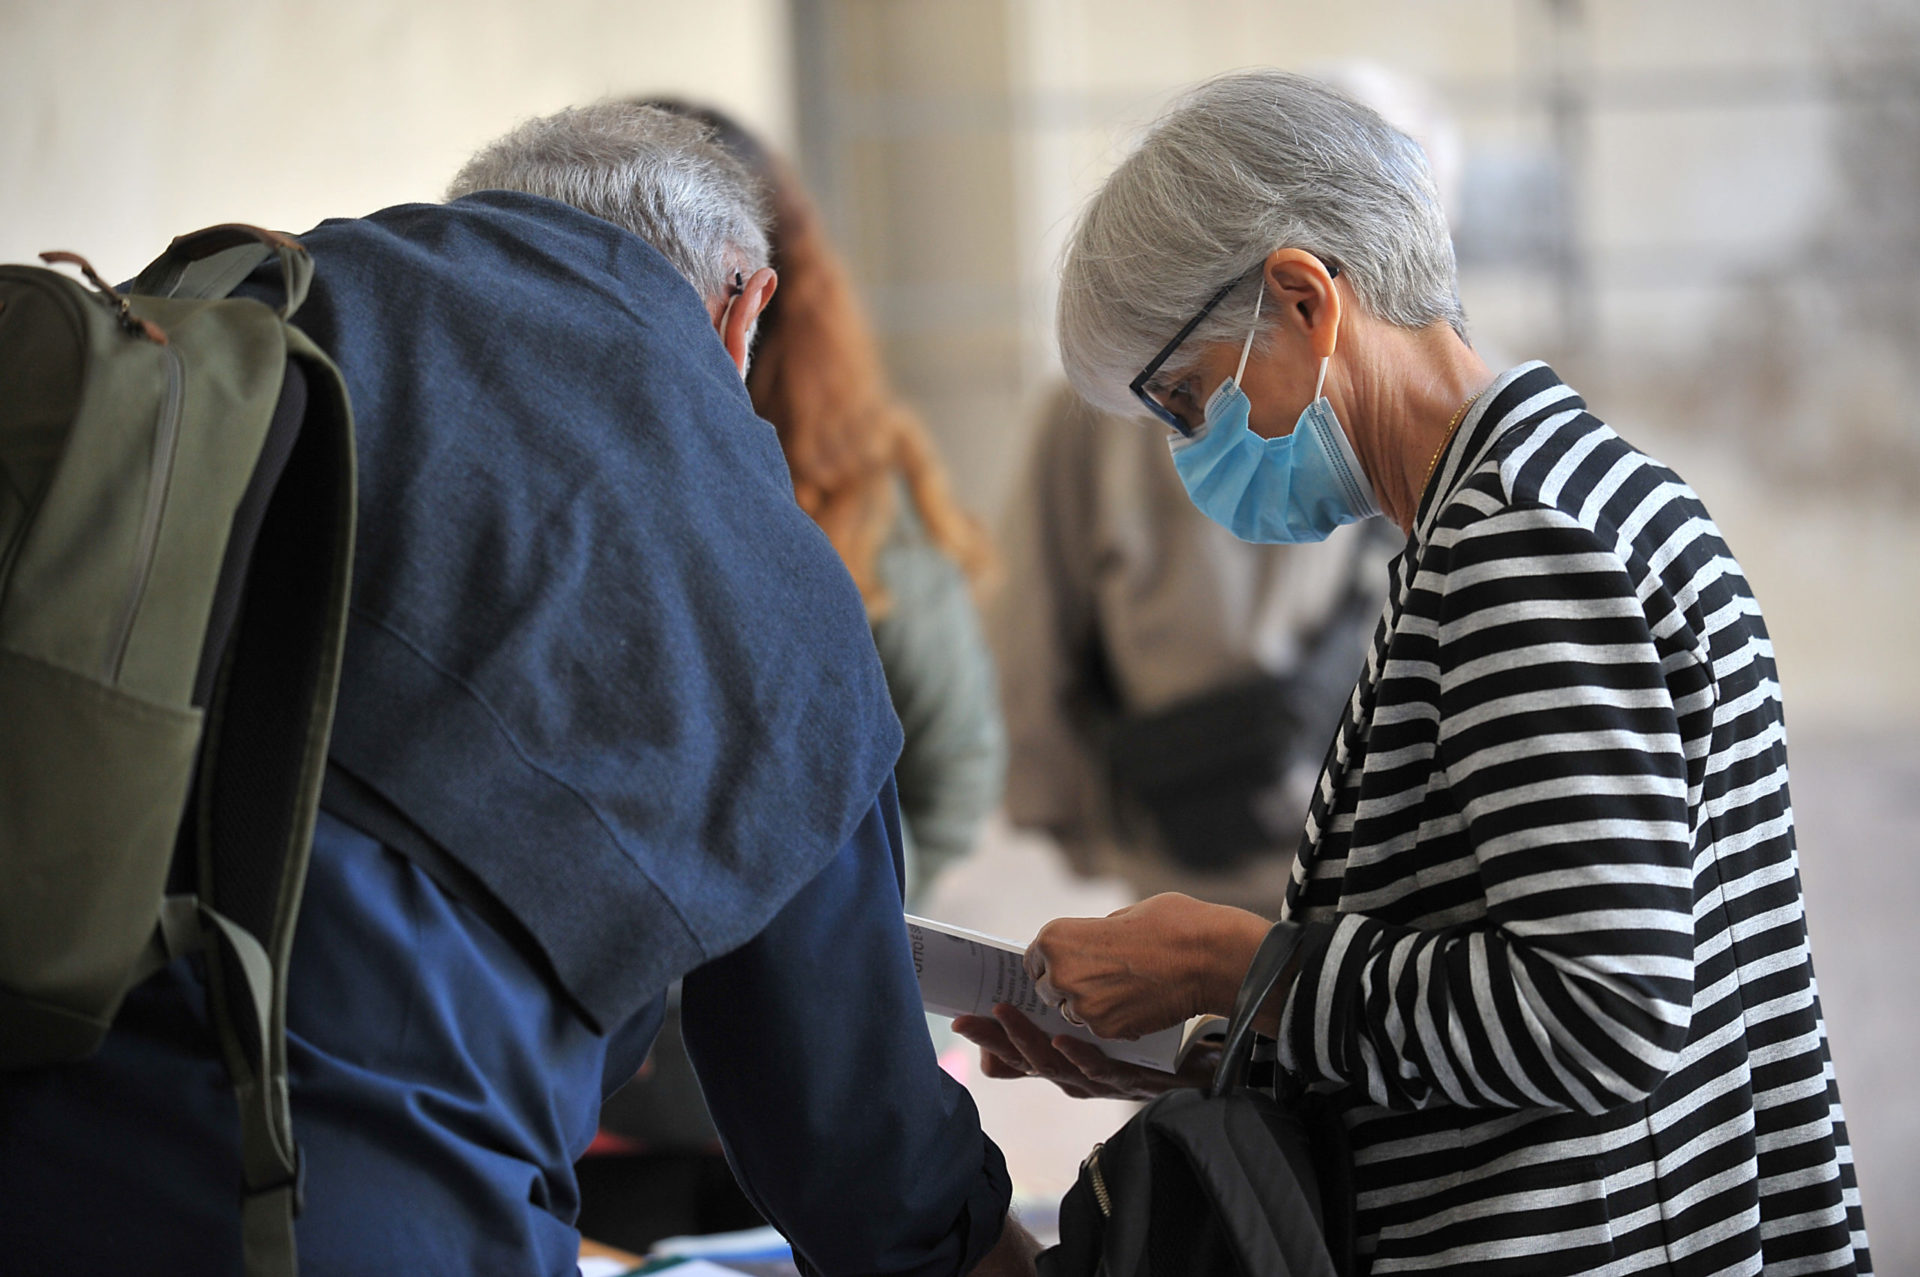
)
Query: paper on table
[
  {"x": 737, "y": 1247},
  {"x": 602, "y": 1266},
  {"x": 966, "y": 972},
  {"x": 597, "y": 1259}
]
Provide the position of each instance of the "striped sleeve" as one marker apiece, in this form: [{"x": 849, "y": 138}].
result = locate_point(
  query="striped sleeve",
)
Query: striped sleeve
[{"x": 1559, "y": 744}]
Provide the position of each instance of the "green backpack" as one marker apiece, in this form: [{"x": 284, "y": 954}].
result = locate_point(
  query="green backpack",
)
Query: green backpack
[{"x": 176, "y": 540}]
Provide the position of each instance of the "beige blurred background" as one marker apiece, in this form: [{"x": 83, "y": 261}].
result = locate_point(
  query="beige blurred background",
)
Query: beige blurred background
[{"x": 1705, "y": 213}]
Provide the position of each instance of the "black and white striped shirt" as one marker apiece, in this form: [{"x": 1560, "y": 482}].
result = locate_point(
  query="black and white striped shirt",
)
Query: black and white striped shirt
[{"x": 1566, "y": 1001}]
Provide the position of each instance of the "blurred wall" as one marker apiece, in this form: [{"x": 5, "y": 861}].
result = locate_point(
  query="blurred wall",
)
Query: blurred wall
[
  {"x": 1701, "y": 211},
  {"x": 124, "y": 123}
]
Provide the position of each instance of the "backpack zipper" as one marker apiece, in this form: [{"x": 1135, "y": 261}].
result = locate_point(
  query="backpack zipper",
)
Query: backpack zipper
[
  {"x": 1092, "y": 1165},
  {"x": 166, "y": 433}
]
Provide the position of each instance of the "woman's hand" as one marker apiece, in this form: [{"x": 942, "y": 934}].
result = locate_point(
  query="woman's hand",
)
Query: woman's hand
[
  {"x": 1013, "y": 1046},
  {"x": 1145, "y": 967}
]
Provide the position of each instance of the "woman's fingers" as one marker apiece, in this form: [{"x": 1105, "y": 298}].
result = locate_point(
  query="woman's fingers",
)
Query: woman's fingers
[
  {"x": 1005, "y": 1060},
  {"x": 999, "y": 1058},
  {"x": 1040, "y": 1053},
  {"x": 1095, "y": 1063},
  {"x": 1002, "y": 1058},
  {"x": 1097, "y": 972},
  {"x": 1031, "y": 1041},
  {"x": 1055, "y": 948},
  {"x": 1044, "y": 960},
  {"x": 1045, "y": 989},
  {"x": 1041, "y": 971},
  {"x": 1146, "y": 967},
  {"x": 1034, "y": 961},
  {"x": 1116, "y": 1078},
  {"x": 1013, "y": 1046},
  {"x": 995, "y": 1067}
]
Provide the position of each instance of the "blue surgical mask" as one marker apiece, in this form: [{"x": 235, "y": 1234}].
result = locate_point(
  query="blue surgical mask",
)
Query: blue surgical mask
[{"x": 1295, "y": 488}]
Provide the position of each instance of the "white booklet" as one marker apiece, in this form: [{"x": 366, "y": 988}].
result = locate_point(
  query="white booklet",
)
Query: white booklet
[{"x": 966, "y": 972}]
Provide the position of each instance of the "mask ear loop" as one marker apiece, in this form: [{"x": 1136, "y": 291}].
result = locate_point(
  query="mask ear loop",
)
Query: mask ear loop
[
  {"x": 1254, "y": 331},
  {"x": 1319, "y": 385}
]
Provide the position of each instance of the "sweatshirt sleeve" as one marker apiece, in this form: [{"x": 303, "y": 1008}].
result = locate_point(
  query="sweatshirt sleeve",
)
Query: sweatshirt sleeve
[
  {"x": 812, "y": 1050},
  {"x": 1560, "y": 762}
]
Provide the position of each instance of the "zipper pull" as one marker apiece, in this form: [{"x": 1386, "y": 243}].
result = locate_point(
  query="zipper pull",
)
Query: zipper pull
[
  {"x": 122, "y": 307},
  {"x": 1100, "y": 1195}
]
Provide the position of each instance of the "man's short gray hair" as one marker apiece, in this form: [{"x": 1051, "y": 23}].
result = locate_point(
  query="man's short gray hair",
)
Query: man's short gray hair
[
  {"x": 660, "y": 175},
  {"x": 1245, "y": 164}
]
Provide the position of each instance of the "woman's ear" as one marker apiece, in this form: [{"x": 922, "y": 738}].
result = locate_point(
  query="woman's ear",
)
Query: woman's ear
[
  {"x": 736, "y": 321},
  {"x": 1301, "y": 294}
]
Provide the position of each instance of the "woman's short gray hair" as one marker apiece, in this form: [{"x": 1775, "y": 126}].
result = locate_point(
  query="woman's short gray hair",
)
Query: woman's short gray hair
[
  {"x": 1245, "y": 164},
  {"x": 658, "y": 174}
]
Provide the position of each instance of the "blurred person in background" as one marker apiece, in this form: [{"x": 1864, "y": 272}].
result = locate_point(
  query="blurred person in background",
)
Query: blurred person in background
[
  {"x": 1169, "y": 688},
  {"x": 1548, "y": 949},
  {"x": 865, "y": 471}
]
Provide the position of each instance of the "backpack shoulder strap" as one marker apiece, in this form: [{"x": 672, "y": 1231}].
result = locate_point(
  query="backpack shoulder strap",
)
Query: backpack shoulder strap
[
  {"x": 272, "y": 681},
  {"x": 267, "y": 728},
  {"x": 210, "y": 264}
]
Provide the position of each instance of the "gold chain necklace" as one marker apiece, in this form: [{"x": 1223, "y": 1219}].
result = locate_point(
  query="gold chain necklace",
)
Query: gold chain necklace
[{"x": 1447, "y": 438}]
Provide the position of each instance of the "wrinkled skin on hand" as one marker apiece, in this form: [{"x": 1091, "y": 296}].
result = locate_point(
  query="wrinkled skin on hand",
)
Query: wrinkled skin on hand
[
  {"x": 1145, "y": 967},
  {"x": 1013, "y": 1046}
]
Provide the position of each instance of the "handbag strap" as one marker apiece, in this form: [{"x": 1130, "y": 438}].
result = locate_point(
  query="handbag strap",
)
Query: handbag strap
[{"x": 1272, "y": 957}]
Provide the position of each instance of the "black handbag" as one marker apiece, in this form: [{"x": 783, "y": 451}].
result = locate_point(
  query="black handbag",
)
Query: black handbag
[
  {"x": 1204, "y": 771},
  {"x": 1229, "y": 1180}
]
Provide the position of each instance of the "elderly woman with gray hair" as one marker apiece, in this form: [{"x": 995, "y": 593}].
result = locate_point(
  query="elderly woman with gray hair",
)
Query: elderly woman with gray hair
[{"x": 1550, "y": 959}]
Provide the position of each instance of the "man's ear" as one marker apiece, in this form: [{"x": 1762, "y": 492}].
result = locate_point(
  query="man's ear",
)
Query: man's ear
[
  {"x": 1301, "y": 292},
  {"x": 736, "y": 321}
]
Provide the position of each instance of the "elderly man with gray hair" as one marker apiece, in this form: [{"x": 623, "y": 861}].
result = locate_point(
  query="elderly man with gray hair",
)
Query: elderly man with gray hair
[
  {"x": 610, "y": 716},
  {"x": 1545, "y": 946}
]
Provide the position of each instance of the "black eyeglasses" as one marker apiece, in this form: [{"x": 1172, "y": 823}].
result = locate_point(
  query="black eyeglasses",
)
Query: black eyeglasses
[{"x": 1139, "y": 384}]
